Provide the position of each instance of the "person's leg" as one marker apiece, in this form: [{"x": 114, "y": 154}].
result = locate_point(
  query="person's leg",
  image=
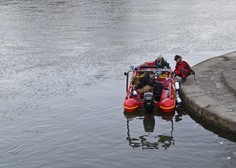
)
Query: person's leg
[
  {"x": 145, "y": 89},
  {"x": 184, "y": 73}
]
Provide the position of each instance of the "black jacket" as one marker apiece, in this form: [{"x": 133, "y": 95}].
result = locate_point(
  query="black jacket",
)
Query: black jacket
[
  {"x": 158, "y": 88},
  {"x": 163, "y": 63},
  {"x": 146, "y": 80}
]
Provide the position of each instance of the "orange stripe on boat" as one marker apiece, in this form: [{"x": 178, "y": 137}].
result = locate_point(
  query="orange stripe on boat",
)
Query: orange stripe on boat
[
  {"x": 167, "y": 108},
  {"x": 130, "y": 108}
]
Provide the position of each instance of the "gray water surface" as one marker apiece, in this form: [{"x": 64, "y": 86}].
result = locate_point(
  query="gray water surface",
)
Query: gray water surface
[{"x": 62, "y": 86}]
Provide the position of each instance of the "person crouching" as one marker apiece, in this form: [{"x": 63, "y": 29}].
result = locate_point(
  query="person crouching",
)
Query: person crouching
[{"x": 182, "y": 68}]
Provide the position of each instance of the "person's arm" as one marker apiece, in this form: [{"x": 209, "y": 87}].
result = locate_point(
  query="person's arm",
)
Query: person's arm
[
  {"x": 177, "y": 69},
  {"x": 166, "y": 64}
]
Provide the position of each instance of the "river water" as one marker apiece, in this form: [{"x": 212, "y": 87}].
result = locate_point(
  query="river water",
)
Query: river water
[{"x": 62, "y": 86}]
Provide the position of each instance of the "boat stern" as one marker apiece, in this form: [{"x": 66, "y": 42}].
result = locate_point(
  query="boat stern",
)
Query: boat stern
[
  {"x": 167, "y": 105},
  {"x": 131, "y": 105}
]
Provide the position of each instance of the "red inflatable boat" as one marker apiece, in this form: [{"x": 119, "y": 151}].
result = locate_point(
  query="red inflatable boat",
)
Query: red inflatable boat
[{"x": 169, "y": 98}]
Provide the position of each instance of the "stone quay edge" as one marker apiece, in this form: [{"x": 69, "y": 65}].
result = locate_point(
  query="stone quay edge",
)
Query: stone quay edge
[{"x": 211, "y": 96}]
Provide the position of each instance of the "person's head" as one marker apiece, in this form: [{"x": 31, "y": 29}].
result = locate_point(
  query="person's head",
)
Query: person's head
[
  {"x": 151, "y": 74},
  {"x": 159, "y": 58},
  {"x": 178, "y": 58}
]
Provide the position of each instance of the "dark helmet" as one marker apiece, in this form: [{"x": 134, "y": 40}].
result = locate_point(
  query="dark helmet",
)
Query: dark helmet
[{"x": 177, "y": 57}]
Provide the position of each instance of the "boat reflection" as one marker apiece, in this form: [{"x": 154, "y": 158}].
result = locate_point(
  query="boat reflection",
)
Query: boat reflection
[{"x": 150, "y": 139}]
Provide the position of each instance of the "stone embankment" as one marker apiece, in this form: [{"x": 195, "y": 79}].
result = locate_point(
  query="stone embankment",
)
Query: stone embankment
[{"x": 212, "y": 96}]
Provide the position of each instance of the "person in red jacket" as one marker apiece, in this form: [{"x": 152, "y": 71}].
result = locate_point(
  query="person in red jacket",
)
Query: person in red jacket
[{"x": 182, "y": 68}]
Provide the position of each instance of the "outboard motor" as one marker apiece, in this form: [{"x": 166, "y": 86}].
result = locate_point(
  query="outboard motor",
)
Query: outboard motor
[{"x": 148, "y": 101}]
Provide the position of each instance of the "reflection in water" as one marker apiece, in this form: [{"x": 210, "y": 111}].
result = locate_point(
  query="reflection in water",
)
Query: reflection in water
[
  {"x": 218, "y": 131},
  {"x": 149, "y": 123},
  {"x": 61, "y": 60},
  {"x": 164, "y": 140}
]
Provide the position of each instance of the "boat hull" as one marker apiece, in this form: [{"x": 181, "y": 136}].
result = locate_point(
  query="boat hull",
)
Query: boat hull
[
  {"x": 131, "y": 105},
  {"x": 167, "y": 102}
]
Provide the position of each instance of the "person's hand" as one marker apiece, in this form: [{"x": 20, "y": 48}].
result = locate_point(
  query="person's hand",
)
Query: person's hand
[
  {"x": 192, "y": 72},
  {"x": 173, "y": 74}
]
